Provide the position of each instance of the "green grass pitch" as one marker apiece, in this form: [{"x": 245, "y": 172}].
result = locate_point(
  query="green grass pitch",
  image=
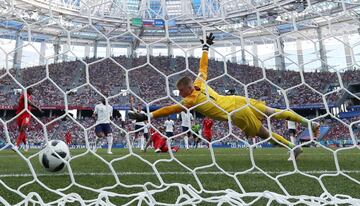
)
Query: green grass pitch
[{"x": 92, "y": 172}]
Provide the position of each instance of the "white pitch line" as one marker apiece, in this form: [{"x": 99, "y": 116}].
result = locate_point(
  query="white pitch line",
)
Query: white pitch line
[
  {"x": 217, "y": 154},
  {"x": 171, "y": 173}
]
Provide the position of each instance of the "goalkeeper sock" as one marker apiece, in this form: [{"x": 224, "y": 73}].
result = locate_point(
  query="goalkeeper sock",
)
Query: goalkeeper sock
[
  {"x": 290, "y": 115},
  {"x": 110, "y": 142},
  {"x": 282, "y": 140},
  {"x": 186, "y": 141}
]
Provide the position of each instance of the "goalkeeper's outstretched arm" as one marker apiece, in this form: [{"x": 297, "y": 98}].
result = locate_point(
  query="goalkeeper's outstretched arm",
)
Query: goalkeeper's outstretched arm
[
  {"x": 203, "y": 69},
  {"x": 162, "y": 112},
  {"x": 185, "y": 86}
]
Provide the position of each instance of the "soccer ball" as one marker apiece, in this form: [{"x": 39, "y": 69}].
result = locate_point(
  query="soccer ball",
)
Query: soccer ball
[{"x": 51, "y": 161}]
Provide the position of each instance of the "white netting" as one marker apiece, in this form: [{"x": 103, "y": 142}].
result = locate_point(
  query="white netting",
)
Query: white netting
[{"x": 244, "y": 30}]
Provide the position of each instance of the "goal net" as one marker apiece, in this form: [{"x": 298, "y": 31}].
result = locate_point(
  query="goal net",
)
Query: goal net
[{"x": 293, "y": 55}]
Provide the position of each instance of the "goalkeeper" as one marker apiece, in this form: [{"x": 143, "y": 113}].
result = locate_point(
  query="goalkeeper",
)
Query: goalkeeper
[{"x": 203, "y": 99}]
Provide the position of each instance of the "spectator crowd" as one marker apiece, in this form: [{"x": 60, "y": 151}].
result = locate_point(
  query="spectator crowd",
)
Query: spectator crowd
[{"x": 152, "y": 80}]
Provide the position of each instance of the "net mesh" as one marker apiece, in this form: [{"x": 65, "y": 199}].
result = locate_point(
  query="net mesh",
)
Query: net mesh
[{"x": 80, "y": 81}]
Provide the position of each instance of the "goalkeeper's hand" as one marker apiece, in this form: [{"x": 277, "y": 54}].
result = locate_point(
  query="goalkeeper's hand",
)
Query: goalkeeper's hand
[
  {"x": 139, "y": 117},
  {"x": 209, "y": 41}
]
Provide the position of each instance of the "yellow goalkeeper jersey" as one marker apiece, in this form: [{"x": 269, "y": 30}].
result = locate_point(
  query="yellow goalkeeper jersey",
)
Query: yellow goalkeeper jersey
[{"x": 219, "y": 107}]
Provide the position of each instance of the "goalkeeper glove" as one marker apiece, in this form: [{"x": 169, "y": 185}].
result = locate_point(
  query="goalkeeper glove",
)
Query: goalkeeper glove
[
  {"x": 139, "y": 117},
  {"x": 209, "y": 41}
]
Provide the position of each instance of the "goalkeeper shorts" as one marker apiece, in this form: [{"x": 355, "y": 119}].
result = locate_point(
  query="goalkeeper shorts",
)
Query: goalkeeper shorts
[{"x": 248, "y": 118}]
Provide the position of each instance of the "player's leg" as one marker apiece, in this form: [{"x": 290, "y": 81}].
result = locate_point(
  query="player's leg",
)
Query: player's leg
[
  {"x": 23, "y": 123},
  {"x": 19, "y": 137},
  {"x": 25, "y": 143},
  {"x": 94, "y": 147},
  {"x": 158, "y": 145},
  {"x": 264, "y": 134},
  {"x": 157, "y": 149},
  {"x": 164, "y": 148},
  {"x": 208, "y": 137},
  {"x": 196, "y": 140},
  {"x": 163, "y": 145},
  {"x": 110, "y": 140},
  {"x": 285, "y": 115},
  {"x": 280, "y": 114},
  {"x": 136, "y": 134},
  {"x": 109, "y": 136},
  {"x": 292, "y": 116},
  {"x": 100, "y": 133},
  {"x": 292, "y": 133},
  {"x": 175, "y": 148},
  {"x": 186, "y": 142},
  {"x": 248, "y": 120},
  {"x": 66, "y": 141},
  {"x": 142, "y": 141},
  {"x": 186, "y": 138},
  {"x": 254, "y": 141},
  {"x": 147, "y": 136},
  {"x": 170, "y": 134}
]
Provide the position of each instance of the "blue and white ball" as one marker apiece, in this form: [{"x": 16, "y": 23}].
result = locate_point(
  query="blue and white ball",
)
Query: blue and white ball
[{"x": 49, "y": 157}]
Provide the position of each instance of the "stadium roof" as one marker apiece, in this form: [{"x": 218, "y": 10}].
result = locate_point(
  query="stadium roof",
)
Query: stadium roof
[{"x": 185, "y": 19}]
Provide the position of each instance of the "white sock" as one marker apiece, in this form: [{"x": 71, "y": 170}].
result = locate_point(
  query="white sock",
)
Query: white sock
[
  {"x": 142, "y": 142},
  {"x": 110, "y": 142},
  {"x": 186, "y": 141}
]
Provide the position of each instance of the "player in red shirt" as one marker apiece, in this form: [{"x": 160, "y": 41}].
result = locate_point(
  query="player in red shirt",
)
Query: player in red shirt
[
  {"x": 23, "y": 120},
  {"x": 159, "y": 142},
  {"x": 207, "y": 129},
  {"x": 68, "y": 138}
]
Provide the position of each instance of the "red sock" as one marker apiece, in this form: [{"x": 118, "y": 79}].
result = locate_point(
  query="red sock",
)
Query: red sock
[{"x": 20, "y": 138}]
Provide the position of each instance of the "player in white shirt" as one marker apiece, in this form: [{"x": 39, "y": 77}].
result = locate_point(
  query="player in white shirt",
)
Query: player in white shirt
[
  {"x": 169, "y": 127},
  {"x": 186, "y": 119},
  {"x": 103, "y": 111},
  {"x": 139, "y": 126}
]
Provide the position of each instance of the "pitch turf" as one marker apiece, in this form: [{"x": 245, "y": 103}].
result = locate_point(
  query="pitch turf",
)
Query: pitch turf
[{"x": 93, "y": 172}]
